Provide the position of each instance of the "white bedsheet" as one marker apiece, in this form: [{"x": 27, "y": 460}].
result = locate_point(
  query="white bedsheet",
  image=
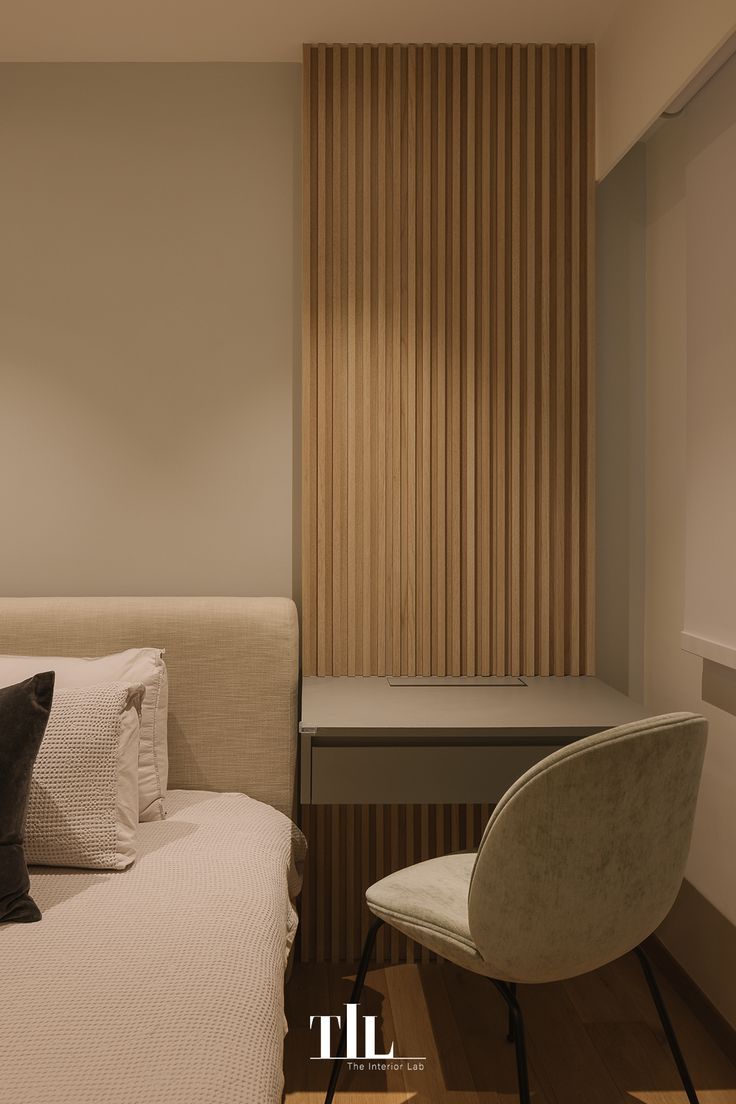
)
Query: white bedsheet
[{"x": 161, "y": 984}]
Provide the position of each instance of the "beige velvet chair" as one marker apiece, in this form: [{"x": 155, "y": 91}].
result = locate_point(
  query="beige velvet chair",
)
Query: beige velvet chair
[{"x": 581, "y": 860}]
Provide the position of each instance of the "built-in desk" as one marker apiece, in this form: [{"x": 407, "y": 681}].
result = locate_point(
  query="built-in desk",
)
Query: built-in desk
[
  {"x": 392, "y": 775},
  {"x": 375, "y": 740}
]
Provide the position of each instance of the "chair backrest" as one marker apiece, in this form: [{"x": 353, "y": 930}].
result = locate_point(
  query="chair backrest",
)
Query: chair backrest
[{"x": 584, "y": 855}]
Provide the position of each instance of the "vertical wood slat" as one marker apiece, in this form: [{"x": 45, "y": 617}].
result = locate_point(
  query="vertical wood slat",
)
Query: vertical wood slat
[
  {"x": 397, "y": 414},
  {"x": 339, "y": 372},
  {"x": 309, "y": 398},
  {"x": 352, "y": 846},
  {"x": 529, "y": 540},
  {"x": 382, "y": 246},
  {"x": 448, "y": 360},
  {"x": 439, "y": 368},
  {"x": 424, "y": 529},
  {"x": 587, "y": 187},
  {"x": 515, "y": 435},
  {"x": 409, "y": 381},
  {"x": 468, "y": 531},
  {"x": 498, "y": 372},
  {"x": 544, "y": 579},
  {"x": 454, "y": 493},
  {"x": 322, "y": 371},
  {"x": 365, "y": 613},
  {"x": 573, "y": 426},
  {"x": 354, "y": 455},
  {"x": 560, "y": 373},
  {"x": 483, "y": 400}
]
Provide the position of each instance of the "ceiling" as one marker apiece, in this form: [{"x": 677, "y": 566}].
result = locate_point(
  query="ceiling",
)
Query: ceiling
[{"x": 273, "y": 30}]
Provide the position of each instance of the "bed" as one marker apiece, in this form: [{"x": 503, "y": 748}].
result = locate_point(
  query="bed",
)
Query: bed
[{"x": 164, "y": 983}]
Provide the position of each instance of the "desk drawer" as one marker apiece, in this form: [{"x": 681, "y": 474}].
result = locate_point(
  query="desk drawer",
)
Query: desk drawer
[{"x": 417, "y": 775}]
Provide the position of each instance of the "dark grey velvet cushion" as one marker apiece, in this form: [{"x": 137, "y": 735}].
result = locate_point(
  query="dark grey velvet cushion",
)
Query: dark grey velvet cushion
[{"x": 24, "y": 713}]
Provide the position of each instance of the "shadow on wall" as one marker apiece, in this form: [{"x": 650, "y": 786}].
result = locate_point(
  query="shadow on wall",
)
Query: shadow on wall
[
  {"x": 620, "y": 399},
  {"x": 719, "y": 686}
]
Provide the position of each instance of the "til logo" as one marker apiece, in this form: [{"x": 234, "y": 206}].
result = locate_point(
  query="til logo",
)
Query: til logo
[{"x": 351, "y": 1053}]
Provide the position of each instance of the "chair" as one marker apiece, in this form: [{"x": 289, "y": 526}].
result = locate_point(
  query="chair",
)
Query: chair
[{"x": 581, "y": 860}]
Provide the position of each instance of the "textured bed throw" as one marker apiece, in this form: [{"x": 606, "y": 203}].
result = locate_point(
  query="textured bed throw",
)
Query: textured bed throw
[
  {"x": 24, "y": 713},
  {"x": 163, "y": 984}
]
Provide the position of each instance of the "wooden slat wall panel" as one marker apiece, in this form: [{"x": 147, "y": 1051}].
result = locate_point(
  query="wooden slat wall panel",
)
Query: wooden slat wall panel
[
  {"x": 352, "y": 846},
  {"x": 448, "y": 360}
]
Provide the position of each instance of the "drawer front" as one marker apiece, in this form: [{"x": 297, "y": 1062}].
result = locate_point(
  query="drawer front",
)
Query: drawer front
[{"x": 428, "y": 774}]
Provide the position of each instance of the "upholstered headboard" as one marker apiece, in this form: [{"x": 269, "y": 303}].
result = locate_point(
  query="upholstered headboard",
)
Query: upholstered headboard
[{"x": 233, "y": 668}]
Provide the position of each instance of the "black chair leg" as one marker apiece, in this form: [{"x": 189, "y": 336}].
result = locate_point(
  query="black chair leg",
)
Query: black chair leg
[
  {"x": 510, "y": 1031},
  {"x": 667, "y": 1026},
  {"x": 365, "y": 958},
  {"x": 516, "y": 1031}
]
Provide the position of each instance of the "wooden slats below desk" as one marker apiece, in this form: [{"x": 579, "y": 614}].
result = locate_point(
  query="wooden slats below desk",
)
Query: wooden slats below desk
[{"x": 352, "y": 846}]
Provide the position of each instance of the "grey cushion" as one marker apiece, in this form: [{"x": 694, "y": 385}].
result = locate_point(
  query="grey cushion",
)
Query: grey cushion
[{"x": 24, "y": 713}]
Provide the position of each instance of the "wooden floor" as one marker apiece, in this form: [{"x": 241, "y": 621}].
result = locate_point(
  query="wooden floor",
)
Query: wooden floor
[{"x": 593, "y": 1040}]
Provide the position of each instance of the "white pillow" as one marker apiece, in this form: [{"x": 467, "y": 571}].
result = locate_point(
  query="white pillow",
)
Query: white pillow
[
  {"x": 144, "y": 666},
  {"x": 83, "y": 804}
]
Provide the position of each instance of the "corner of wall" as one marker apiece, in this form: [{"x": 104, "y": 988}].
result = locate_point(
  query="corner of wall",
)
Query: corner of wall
[{"x": 620, "y": 380}]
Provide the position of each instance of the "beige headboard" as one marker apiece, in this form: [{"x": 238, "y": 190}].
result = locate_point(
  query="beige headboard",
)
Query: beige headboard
[{"x": 233, "y": 669}]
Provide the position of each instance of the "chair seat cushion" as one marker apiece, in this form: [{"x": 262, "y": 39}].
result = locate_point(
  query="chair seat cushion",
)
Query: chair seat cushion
[{"x": 429, "y": 903}]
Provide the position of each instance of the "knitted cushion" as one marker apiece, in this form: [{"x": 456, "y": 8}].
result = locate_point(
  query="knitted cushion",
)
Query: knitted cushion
[{"x": 83, "y": 805}]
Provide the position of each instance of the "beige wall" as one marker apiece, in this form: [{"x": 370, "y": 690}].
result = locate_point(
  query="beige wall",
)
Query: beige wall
[
  {"x": 710, "y": 594},
  {"x": 643, "y": 264},
  {"x": 643, "y": 297},
  {"x": 673, "y": 678},
  {"x": 649, "y": 52},
  {"x": 148, "y": 335}
]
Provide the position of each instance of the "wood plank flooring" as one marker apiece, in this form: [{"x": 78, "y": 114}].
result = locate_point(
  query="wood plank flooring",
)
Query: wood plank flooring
[{"x": 593, "y": 1040}]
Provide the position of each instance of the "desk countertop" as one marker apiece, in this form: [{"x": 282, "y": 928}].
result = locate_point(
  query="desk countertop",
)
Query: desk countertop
[{"x": 372, "y": 703}]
